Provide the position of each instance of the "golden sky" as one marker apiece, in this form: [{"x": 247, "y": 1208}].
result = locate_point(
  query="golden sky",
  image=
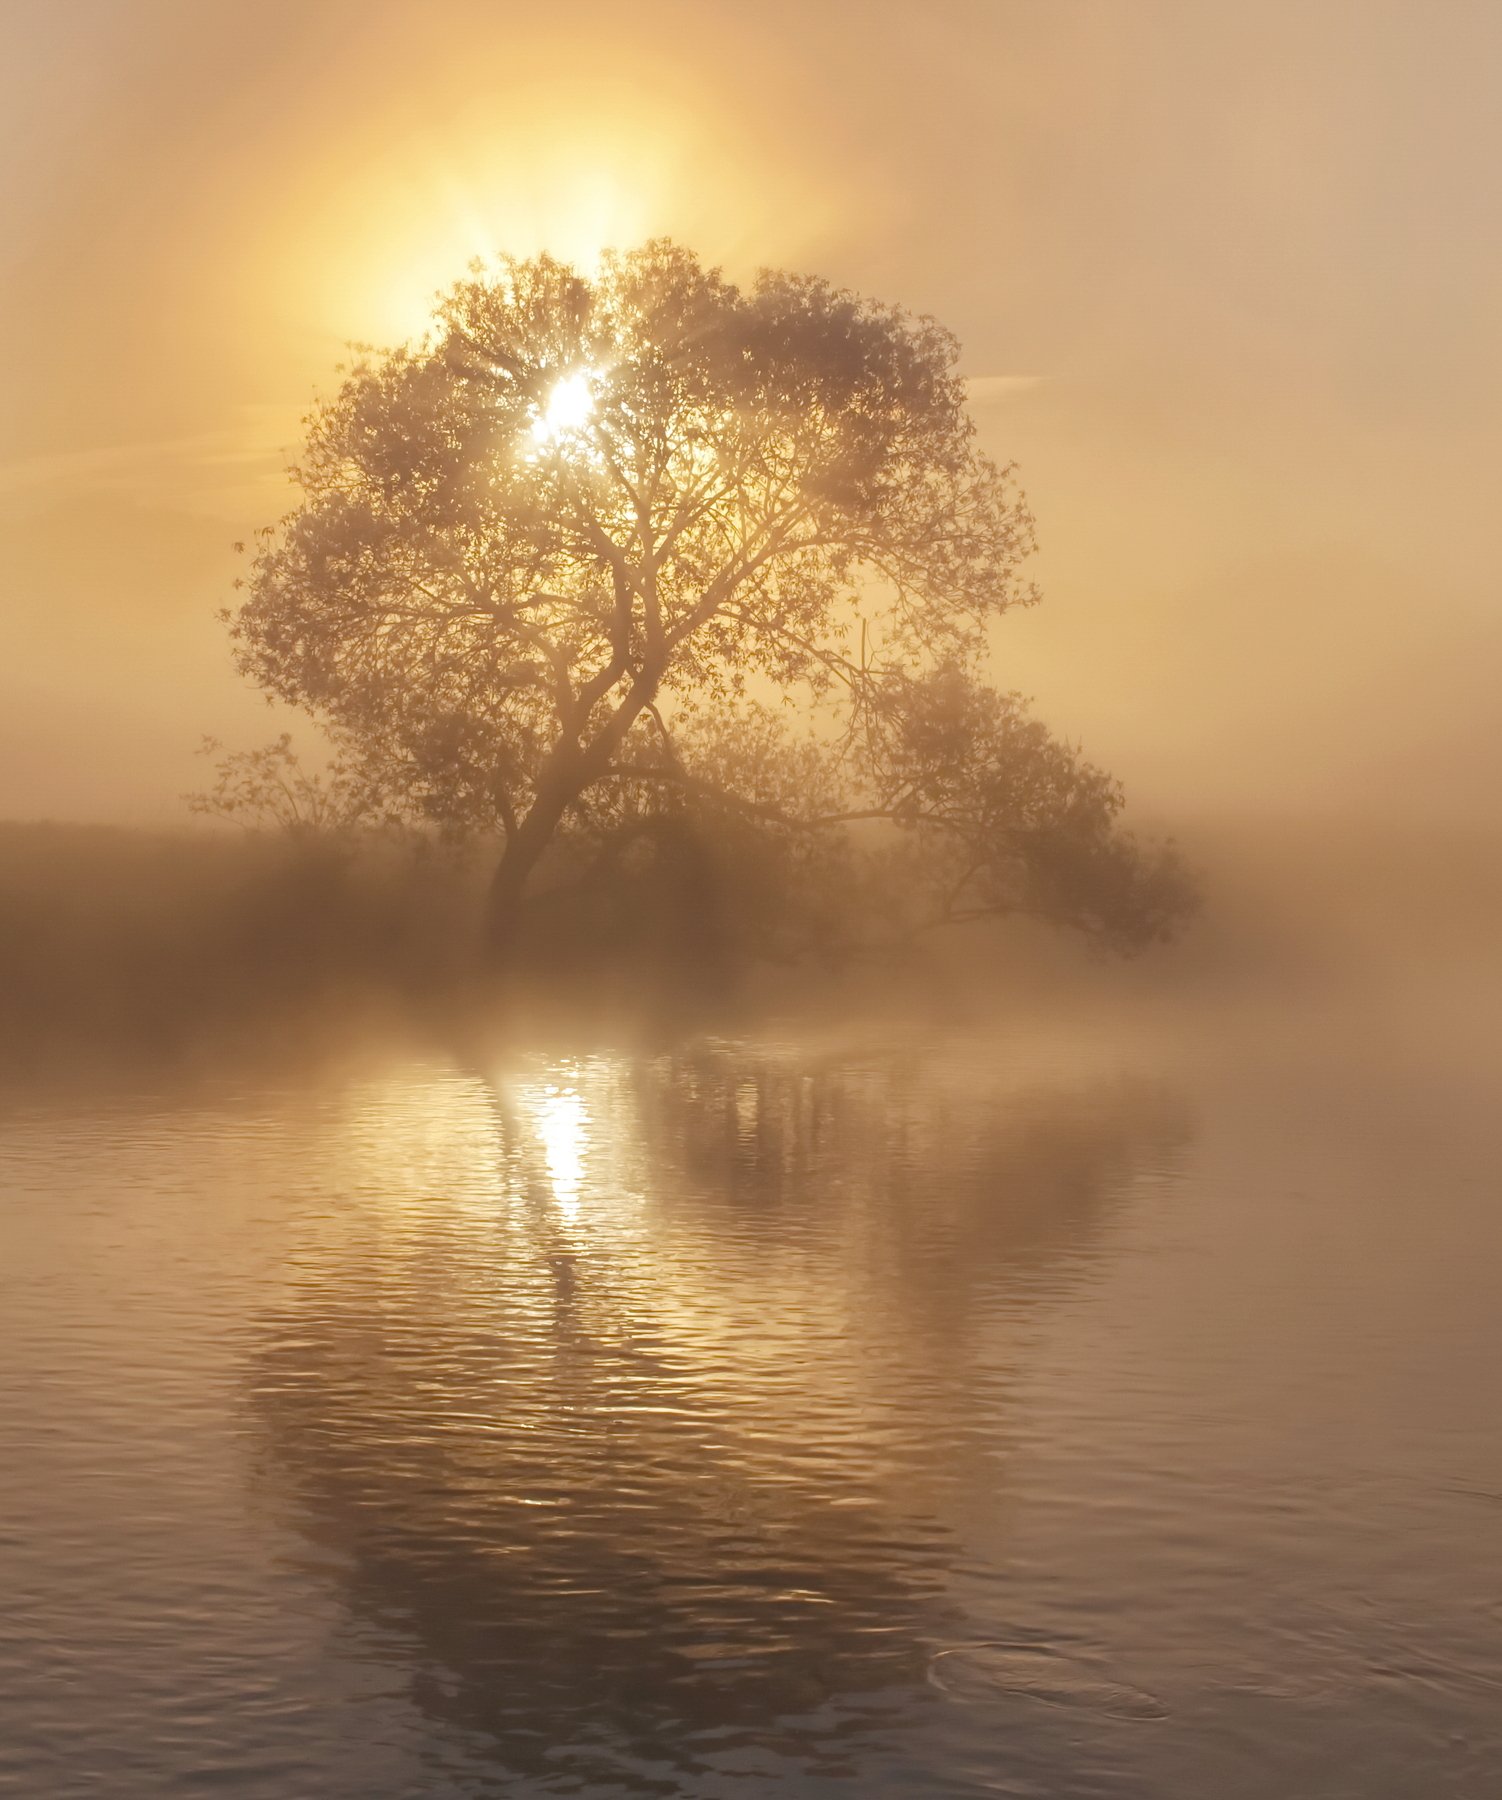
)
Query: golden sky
[{"x": 1228, "y": 278}]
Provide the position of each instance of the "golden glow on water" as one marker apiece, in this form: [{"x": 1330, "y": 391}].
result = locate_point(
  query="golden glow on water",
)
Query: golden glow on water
[
  {"x": 407, "y": 1137},
  {"x": 469, "y": 1148},
  {"x": 710, "y": 1405},
  {"x": 562, "y": 1125}
]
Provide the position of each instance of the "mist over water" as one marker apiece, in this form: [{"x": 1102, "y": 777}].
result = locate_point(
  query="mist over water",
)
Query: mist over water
[{"x": 1093, "y": 1405}]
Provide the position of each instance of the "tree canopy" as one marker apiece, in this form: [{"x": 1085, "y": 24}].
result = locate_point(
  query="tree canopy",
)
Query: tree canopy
[{"x": 606, "y": 555}]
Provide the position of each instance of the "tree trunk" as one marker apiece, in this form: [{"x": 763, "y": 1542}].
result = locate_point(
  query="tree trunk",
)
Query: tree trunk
[
  {"x": 505, "y": 902},
  {"x": 570, "y": 770}
]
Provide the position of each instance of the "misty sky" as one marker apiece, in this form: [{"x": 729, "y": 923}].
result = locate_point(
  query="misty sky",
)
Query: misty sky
[{"x": 1228, "y": 278}]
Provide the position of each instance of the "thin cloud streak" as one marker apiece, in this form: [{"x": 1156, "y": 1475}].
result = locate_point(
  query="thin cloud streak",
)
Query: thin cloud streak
[
  {"x": 988, "y": 390},
  {"x": 198, "y": 467}
]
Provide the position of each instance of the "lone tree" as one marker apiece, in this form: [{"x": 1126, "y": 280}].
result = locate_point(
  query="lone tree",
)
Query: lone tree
[{"x": 614, "y": 558}]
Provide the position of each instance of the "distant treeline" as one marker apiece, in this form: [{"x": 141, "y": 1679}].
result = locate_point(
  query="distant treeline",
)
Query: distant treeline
[
  {"x": 162, "y": 939},
  {"x": 152, "y": 938},
  {"x": 159, "y": 940}
]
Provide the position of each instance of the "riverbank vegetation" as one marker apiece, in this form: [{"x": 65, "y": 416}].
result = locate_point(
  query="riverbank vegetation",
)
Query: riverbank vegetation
[{"x": 159, "y": 942}]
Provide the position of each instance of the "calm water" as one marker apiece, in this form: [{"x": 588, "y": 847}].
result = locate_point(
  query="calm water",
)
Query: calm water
[{"x": 1095, "y": 1413}]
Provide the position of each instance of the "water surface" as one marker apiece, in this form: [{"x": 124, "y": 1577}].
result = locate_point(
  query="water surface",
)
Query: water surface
[{"x": 1090, "y": 1413}]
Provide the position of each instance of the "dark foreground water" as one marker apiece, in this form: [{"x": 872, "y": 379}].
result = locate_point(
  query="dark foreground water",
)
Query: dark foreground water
[{"x": 1093, "y": 1412}]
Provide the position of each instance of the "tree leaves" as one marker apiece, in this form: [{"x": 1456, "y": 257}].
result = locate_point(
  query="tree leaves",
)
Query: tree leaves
[{"x": 771, "y": 492}]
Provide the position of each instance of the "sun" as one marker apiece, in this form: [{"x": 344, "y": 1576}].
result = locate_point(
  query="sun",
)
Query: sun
[{"x": 568, "y": 407}]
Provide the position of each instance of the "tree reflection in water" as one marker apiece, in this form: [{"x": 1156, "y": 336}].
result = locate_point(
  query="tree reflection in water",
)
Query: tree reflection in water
[{"x": 644, "y": 1399}]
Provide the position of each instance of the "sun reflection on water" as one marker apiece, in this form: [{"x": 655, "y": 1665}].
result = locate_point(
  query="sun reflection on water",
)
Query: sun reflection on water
[
  {"x": 473, "y": 1146},
  {"x": 562, "y": 1125}
]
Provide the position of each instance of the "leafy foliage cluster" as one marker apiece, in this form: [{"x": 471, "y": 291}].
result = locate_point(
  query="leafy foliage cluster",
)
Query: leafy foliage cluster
[{"x": 601, "y": 555}]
